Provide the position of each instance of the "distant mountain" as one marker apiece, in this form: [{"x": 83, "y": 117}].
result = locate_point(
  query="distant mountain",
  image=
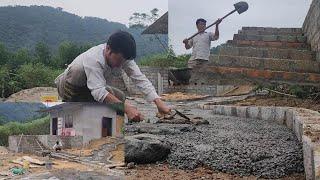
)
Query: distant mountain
[
  {"x": 20, "y": 111},
  {"x": 22, "y": 26}
]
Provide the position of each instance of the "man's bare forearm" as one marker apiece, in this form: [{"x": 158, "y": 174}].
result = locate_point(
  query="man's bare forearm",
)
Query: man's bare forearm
[
  {"x": 162, "y": 108},
  {"x": 110, "y": 98},
  {"x": 216, "y": 33}
]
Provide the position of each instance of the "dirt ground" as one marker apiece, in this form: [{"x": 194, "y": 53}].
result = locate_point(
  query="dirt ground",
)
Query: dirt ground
[
  {"x": 179, "y": 96},
  {"x": 163, "y": 171},
  {"x": 6, "y": 164},
  {"x": 118, "y": 154},
  {"x": 93, "y": 145},
  {"x": 238, "y": 90},
  {"x": 280, "y": 101},
  {"x": 60, "y": 168}
]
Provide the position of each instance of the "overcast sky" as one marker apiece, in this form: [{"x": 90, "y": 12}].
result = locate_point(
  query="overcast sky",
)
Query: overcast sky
[
  {"x": 112, "y": 10},
  {"x": 265, "y": 13}
]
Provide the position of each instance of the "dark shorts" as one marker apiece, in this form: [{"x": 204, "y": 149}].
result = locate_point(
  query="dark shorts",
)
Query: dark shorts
[
  {"x": 72, "y": 93},
  {"x": 197, "y": 62}
]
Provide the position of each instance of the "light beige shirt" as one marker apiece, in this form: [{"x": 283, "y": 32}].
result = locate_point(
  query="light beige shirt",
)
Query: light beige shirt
[
  {"x": 92, "y": 70},
  {"x": 201, "y": 45}
]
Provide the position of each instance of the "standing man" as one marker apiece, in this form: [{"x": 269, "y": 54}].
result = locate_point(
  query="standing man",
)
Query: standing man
[
  {"x": 86, "y": 78},
  {"x": 201, "y": 43}
]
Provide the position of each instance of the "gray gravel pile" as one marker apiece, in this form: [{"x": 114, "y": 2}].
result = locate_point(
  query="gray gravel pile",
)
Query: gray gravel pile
[{"x": 232, "y": 145}]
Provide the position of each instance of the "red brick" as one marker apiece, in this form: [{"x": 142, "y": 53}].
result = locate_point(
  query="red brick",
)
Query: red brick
[
  {"x": 267, "y": 74},
  {"x": 252, "y": 73},
  {"x": 236, "y": 70},
  {"x": 314, "y": 78},
  {"x": 287, "y": 76}
]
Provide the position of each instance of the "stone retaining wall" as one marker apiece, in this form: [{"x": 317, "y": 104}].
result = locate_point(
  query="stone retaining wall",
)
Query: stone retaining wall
[
  {"x": 159, "y": 79},
  {"x": 67, "y": 141},
  {"x": 311, "y": 27},
  {"x": 157, "y": 76}
]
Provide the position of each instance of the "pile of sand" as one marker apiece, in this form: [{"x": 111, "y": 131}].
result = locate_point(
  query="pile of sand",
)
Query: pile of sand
[
  {"x": 32, "y": 95},
  {"x": 179, "y": 96}
]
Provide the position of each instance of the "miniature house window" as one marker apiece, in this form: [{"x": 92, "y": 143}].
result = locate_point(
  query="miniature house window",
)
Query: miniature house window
[{"x": 68, "y": 121}]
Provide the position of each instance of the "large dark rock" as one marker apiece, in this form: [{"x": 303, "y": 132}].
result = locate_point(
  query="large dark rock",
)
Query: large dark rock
[{"x": 145, "y": 148}]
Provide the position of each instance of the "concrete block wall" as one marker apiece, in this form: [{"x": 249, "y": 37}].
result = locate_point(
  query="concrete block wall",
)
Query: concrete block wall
[
  {"x": 67, "y": 141},
  {"x": 22, "y": 144},
  {"x": 212, "y": 90},
  {"x": 152, "y": 74},
  {"x": 311, "y": 27},
  {"x": 13, "y": 143},
  {"x": 116, "y": 80},
  {"x": 124, "y": 83},
  {"x": 194, "y": 89},
  {"x": 304, "y": 123},
  {"x": 201, "y": 83}
]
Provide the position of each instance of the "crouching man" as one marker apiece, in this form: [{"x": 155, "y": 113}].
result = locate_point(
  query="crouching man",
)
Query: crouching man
[
  {"x": 57, "y": 146},
  {"x": 85, "y": 79}
]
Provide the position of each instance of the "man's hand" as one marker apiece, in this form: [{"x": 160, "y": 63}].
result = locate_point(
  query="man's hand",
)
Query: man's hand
[
  {"x": 185, "y": 41},
  {"x": 219, "y": 21},
  {"x": 162, "y": 108},
  {"x": 132, "y": 112},
  {"x": 216, "y": 33}
]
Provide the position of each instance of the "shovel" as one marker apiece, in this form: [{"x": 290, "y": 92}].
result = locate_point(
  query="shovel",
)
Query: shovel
[
  {"x": 173, "y": 114},
  {"x": 240, "y": 7},
  {"x": 182, "y": 115}
]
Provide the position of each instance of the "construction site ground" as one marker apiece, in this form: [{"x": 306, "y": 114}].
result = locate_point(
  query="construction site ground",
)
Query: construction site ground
[
  {"x": 276, "y": 100},
  {"x": 181, "y": 168},
  {"x": 69, "y": 168},
  {"x": 60, "y": 169},
  {"x": 163, "y": 171},
  {"x": 66, "y": 169}
]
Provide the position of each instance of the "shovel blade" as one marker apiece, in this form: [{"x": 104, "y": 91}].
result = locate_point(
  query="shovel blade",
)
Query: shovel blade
[{"x": 241, "y": 7}]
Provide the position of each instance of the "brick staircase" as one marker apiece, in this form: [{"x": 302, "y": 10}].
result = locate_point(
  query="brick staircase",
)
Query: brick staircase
[
  {"x": 258, "y": 54},
  {"x": 31, "y": 144}
]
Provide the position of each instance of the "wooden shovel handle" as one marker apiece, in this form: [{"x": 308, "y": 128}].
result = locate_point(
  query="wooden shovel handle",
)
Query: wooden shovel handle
[{"x": 213, "y": 24}]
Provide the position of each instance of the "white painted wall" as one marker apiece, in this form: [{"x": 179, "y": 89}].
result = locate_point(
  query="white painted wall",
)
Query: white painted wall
[
  {"x": 90, "y": 119},
  {"x": 74, "y": 111},
  {"x": 87, "y": 119}
]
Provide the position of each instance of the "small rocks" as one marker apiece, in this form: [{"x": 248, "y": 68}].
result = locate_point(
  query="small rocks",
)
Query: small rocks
[
  {"x": 198, "y": 121},
  {"x": 234, "y": 145},
  {"x": 131, "y": 165}
]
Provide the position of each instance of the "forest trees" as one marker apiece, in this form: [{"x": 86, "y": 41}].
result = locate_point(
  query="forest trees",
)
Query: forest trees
[
  {"x": 142, "y": 20},
  {"x": 32, "y": 68}
]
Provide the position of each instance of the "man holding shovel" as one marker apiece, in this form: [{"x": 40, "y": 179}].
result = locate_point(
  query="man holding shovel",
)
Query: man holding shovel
[
  {"x": 201, "y": 43},
  {"x": 201, "y": 40},
  {"x": 86, "y": 78}
]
